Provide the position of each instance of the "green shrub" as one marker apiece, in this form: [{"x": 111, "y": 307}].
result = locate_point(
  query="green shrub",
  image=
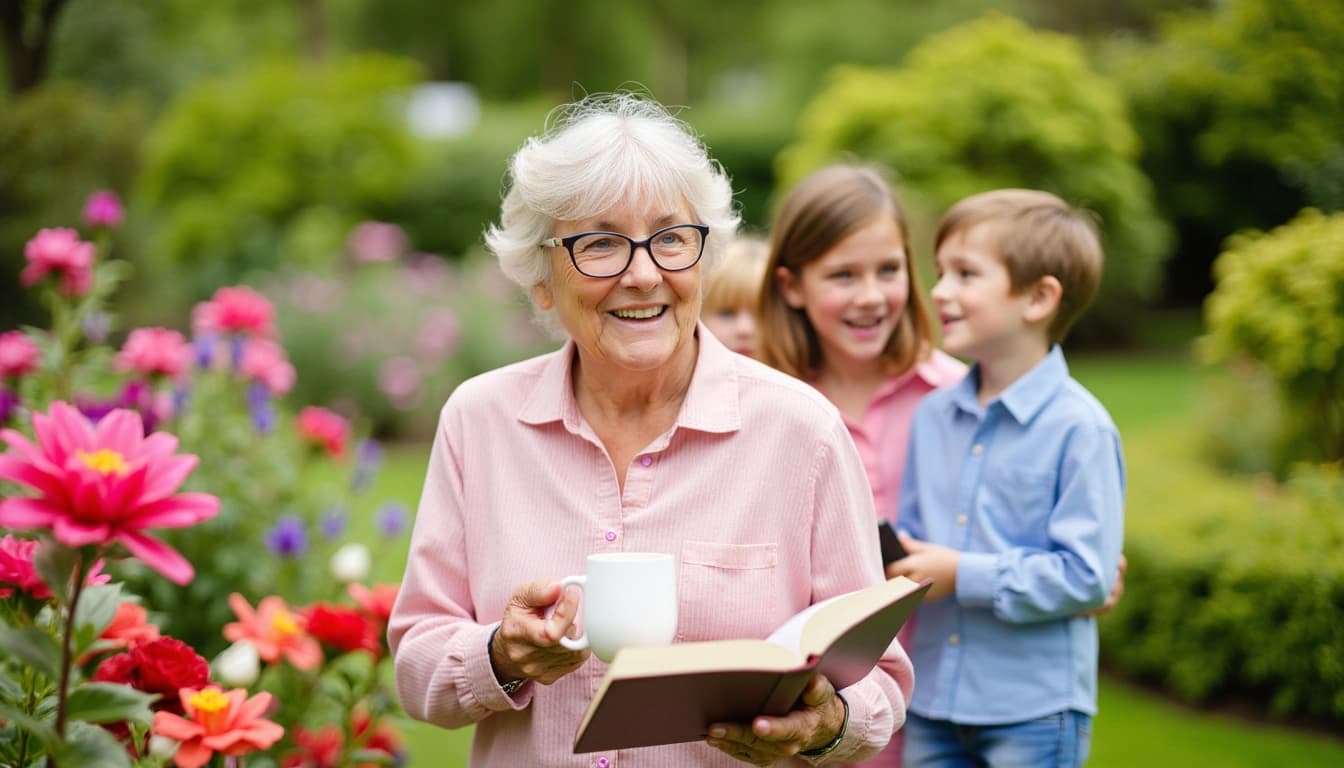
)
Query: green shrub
[
  {"x": 1279, "y": 301},
  {"x": 992, "y": 104},
  {"x": 276, "y": 163},
  {"x": 1235, "y": 588},
  {"x": 57, "y": 144},
  {"x": 391, "y": 340}
]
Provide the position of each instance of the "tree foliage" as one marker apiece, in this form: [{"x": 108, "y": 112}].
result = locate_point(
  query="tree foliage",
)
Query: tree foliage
[
  {"x": 1280, "y": 301},
  {"x": 278, "y": 162},
  {"x": 1240, "y": 111},
  {"x": 995, "y": 104}
]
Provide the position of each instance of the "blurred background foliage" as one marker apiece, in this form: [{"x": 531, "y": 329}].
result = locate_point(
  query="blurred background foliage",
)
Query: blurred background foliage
[{"x": 253, "y": 139}]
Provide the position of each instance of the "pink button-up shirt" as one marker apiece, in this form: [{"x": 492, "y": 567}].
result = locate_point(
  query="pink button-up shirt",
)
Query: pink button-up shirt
[
  {"x": 883, "y": 435},
  {"x": 756, "y": 489}
]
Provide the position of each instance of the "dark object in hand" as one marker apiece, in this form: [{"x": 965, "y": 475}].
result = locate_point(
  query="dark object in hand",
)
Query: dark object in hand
[{"x": 891, "y": 546}]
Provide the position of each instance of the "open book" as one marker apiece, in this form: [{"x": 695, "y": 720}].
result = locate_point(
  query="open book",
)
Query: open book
[{"x": 672, "y": 693}]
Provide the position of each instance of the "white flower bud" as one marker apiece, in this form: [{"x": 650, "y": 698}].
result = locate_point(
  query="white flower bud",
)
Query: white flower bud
[
  {"x": 238, "y": 666},
  {"x": 350, "y": 563},
  {"x": 162, "y": 747}
]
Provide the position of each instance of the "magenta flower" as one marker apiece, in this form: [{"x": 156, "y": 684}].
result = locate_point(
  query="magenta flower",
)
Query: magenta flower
[
  {"x": 265, "y": 361},
  {"x": 155, "y": 351},
  {"x": 18, "y": 354},
  {"x": 237, "y": 309},
  {"x": 103, "y": 484},
  {"x": 18, "y": 574},
  {"x": 103, "y": 210},
  {"x": 59, "y": 250},
  {"x": 325, "y": 428}
]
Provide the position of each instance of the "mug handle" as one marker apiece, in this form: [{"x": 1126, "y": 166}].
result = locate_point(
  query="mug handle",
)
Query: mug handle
[{"x": 580, "y": 582}]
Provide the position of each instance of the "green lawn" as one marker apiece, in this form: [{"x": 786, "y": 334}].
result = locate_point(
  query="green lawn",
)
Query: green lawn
[{"x": 1134, "y": 727}]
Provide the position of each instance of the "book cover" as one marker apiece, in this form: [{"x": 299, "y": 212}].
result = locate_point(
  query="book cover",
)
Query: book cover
[{"x": 670, "y": 694}]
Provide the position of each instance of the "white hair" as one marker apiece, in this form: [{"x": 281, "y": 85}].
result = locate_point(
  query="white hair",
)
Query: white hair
[{"x": 595, "y": 154}]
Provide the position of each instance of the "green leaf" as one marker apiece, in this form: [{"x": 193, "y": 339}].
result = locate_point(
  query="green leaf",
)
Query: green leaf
[
  {"x": 27, "y": 722},
  {"x": 109, "y": 703},
  {"x": 88, "y": 746},
  {"x": 97, "y": 606},
  {"x": 55, "y": 563},
  {"x": 34, "y": 647}
]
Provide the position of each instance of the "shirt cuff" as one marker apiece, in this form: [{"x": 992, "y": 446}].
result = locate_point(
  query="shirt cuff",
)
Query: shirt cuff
[
  {"x": 481, "y": 676},
  {"x": 976, "y": 573}
]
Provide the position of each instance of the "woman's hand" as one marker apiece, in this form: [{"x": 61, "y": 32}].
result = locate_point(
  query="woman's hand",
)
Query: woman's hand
[
  {"x": 1117, "y": 590},
  {"x": 818, "y": 719},
  {"x": 928, "y": 561},
  {"x": 527, "y": 645}
]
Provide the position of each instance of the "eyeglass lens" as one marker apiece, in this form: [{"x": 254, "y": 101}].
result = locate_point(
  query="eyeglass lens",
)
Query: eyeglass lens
[{"x": 603, "y": 253}]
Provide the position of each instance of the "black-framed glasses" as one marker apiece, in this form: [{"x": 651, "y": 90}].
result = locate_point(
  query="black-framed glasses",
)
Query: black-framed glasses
[{"x": 608, "y": 254}]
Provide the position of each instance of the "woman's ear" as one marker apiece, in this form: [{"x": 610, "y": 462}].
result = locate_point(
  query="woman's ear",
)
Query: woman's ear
[
  {"x": 542, "y": 296},
  {"x": 787, "y": 284},
  {"x": 1043, "y": 299}
]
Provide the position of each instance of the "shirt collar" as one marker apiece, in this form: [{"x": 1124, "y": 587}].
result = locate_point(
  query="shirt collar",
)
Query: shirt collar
[
  {"x": 711, "y": 404},
  {"x": 1024, "y": 398}
]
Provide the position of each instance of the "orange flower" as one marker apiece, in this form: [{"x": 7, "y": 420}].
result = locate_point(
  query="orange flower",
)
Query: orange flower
[
  {"x": 275, "y": 630},
  {"x": 217, "y": 721},
  {"x": 129, "y": 626},
  {"x": 376, "y": 602}
]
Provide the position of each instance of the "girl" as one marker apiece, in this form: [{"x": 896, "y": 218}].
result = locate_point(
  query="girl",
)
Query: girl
[
  {"x": 842, "y": 308},
  {"x": 732, "y": 291}
]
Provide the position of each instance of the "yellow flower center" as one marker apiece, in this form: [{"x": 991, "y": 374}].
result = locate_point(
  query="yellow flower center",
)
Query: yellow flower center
[
  {"x": 103, "y": 461},
  {"x": 211, "y": 708},
  {"x": 283, "y": 625}
]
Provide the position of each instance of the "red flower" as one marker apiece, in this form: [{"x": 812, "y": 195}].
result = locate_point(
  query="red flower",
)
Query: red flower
[
  {"x": 316, "y": 748},
  {"x": 325, "y": 428},
  {"x": 377, "y": 602},
  {"x": 344, "y": 628},
  {"x": 163, "y": 666}
]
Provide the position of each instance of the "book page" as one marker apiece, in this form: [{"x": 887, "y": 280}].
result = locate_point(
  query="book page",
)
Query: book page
[
  {"x": 680, "y": 658},
  {"x": 790, "y": 633}
]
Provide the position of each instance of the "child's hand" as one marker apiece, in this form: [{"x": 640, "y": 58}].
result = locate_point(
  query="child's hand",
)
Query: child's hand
[{"x": 928, "y": 561}]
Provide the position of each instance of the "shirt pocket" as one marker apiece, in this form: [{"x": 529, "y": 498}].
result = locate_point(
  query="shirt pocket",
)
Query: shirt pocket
[
  {"x": 726, "y": 590},
  {"x": 1019, "y": 501}
]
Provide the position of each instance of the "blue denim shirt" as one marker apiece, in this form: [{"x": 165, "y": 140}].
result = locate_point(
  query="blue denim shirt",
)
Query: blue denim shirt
[{"x": 1030, "y": 488}]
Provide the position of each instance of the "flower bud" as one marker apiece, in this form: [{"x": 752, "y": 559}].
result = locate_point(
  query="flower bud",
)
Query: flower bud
[
  {"x": 162, "y": 747},
  {"x": 350, "y": 563},
  {"x": 239, "y": 665}
]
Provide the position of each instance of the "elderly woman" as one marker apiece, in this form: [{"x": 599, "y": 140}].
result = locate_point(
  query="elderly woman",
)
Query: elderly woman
[{"x": 642, "y": 433}]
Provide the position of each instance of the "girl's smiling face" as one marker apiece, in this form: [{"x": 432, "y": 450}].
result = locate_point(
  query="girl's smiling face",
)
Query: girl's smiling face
[{"x": 854, "y": 295}]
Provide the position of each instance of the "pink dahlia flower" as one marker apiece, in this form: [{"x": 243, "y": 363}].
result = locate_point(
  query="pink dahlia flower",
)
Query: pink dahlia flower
[
  {"x": 18, "y": 574},
  {"x": 153, "y": 351},
  {"x": 103, "y": 210},
  {"x": 18, "y": 354},
  {"x": 59, "y": 250},
  {"x": 325, "y": 428},
  {"x": 265, "y": 361},
  {"x": 103, "y": 484},
  {"x": 275, "y": 630},
  {"x": 236, "y": 309}
]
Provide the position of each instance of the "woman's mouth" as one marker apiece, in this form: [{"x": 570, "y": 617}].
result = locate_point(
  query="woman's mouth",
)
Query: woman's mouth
[{"x": 640, "y": 313}]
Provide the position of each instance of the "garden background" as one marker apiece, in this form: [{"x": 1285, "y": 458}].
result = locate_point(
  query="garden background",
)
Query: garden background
[{"x": 341, "y": 157}]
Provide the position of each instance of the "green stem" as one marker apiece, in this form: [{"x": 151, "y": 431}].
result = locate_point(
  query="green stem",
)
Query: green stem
[
  {"x": 61, "y": 691},
  {"x": 29, "y": 707}
]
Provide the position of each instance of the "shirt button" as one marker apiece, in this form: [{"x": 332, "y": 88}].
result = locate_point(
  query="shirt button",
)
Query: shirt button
[
  {"x": 961, "y": 519},
  {"x": 603, "y": 762},
  {"x": 977, "y": 449},
  {"x": 611, "y": 535},
  {"x": 953, "y": 640},
  {"x": 646, "y": 460}
]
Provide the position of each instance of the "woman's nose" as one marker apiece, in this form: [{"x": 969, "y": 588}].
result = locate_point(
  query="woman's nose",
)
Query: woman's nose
[{"x": 642, "y": 272}]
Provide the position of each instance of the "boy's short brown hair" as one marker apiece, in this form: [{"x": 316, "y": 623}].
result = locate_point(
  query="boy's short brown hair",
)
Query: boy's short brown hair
[{"x": 1036, "y": 234}]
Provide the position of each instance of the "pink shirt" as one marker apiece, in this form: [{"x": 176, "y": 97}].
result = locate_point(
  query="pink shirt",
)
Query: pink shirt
[
  {"x": 884, "y": 433},
  {"x": 756, "y": 489},
  {"x": 882, "y": 438}
]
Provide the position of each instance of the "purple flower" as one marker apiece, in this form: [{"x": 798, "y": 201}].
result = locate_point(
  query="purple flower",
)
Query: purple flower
[
  {"x": 391, "y": 518},
  {"x": 9, "y": 403},
  {"x": 96, "y": 327},
  {"x": 333, "y": 522},
  {"x": 103, "y": 210},
  {"x": 367, "y": 460},
  {"x": 204, "y": 346},
  {"x": 236, "y": 345},
  {"x": 259, "y": 405},
  {"x": 287, "y": 538}
]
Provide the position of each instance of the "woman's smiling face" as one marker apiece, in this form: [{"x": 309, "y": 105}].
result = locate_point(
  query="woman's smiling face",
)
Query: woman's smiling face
[{"x": 638, "y": 321}]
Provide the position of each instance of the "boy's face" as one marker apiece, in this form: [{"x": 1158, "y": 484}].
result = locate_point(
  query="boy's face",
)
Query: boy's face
[{"x": 982, "y": 318}]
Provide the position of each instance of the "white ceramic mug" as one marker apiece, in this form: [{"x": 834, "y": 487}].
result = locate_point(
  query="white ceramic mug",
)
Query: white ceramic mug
[{"x": 629, "y": 598}]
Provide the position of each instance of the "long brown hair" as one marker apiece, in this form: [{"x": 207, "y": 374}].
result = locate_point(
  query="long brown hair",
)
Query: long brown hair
[{"x": 824, "y": 209}]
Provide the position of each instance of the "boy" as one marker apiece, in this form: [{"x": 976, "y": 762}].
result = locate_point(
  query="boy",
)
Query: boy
[{"x": 1013, "y": 495}]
